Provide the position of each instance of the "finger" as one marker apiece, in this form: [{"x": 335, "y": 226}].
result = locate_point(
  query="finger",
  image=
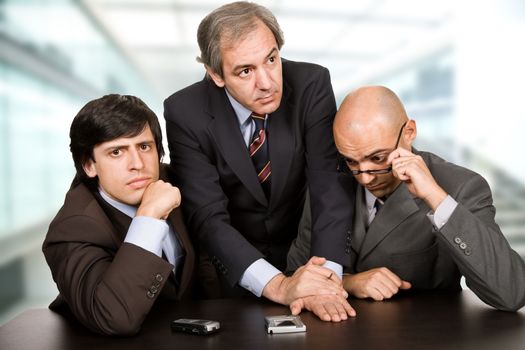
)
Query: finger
[
  {"x": 324, "y": 278},
  {"x": 375, "y": 294},
  {"x": 405, "y": 285},
  {"x": 387, "y": 289},
  {"x": 316, "y": 260},
  {"x": 341, "y": 310},
  {"x": 297, "y": 306},
  {"x": 348, "y": 308},
  {"x": 396, "y": 280},
  {"x": 400, "y": 173},
  {"x": 321, "y": 312},
  {"x": 332, "y": 311},
  {"x": 324, "y": 272},
  {"x": 389, "y": 281}
]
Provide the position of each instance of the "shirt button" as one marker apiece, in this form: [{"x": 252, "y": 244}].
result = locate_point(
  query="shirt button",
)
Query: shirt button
[{"x": 457, "y": 240}]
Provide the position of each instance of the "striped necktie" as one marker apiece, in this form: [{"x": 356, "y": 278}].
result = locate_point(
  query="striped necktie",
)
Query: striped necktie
[{"x": 259, "y": 153}]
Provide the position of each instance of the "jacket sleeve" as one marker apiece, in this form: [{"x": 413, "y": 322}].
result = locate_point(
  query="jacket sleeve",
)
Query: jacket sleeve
[
  {"x": 109, "y": 291},
  {"x": 205, "y": 203},
  {"x": 494, "y": 271},
  {"x": 331, "y": 194}
]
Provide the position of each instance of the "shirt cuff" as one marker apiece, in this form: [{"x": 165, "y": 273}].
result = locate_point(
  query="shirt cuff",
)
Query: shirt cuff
[
  {"x": 335, "y": 267},
  {"x": 443, "y": 212},
  {"x": 257, "y": 276},
  {"x": 147, "y": 233}
]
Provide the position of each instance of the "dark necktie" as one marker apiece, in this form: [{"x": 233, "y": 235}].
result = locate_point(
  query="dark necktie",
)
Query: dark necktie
[
  {"x": 378, "y": 205},
  {"x": 259, "y": 153}
]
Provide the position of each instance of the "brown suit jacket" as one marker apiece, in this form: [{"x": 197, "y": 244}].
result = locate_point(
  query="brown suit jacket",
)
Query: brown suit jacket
[{"x": 108, "y": 285}]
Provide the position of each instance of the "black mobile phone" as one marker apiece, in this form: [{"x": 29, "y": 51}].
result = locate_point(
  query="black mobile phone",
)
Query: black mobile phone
[{"x": 193, "y": 326}]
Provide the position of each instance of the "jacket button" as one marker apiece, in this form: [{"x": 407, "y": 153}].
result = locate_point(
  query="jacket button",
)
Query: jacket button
[
  {"x": 347, "y": 250},
  {"x": 468, "y": 251},
  {"x": 463, "y": 245},
  {"x": 159, "y": 277},
  {"x": 150, "y": 295},
  {"x": 457, "y": 240},
  {"x": 153, "y": 289}
]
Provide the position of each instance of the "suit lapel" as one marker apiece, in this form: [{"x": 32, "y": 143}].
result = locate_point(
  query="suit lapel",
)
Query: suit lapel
[
  {"x": 119, "y": 220},
  {"x": 177, "y": 223},
  {"x": 399, "y": 206},
  {"x": 226, "y": 133},
  {"x": 281, "y": 143}
]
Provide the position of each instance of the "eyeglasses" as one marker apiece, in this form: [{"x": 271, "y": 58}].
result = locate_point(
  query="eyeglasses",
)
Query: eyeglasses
[{"x": 373, "y": 171}]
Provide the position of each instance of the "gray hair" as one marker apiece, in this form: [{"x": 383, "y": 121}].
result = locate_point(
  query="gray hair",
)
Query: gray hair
[{"x": 232, "y": 22}]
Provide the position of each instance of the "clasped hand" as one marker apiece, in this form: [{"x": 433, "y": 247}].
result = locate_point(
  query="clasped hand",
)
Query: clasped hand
[{"x": 312, "y": 287}]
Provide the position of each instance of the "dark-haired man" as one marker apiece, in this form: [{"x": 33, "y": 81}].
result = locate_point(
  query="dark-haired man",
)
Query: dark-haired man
[
  {"x": 119, "y": 242},
  {"x": 245, "y": 145}
]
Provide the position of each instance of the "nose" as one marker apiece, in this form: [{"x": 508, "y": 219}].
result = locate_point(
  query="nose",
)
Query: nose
[
  {"x": 135, "y": 161},
  {"x": 263, "y": 79},
  {"x": 365, "y": 178}
]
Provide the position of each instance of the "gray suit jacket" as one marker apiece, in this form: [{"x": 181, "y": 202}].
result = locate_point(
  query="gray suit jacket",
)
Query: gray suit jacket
[{"x": 403, "y": 239}]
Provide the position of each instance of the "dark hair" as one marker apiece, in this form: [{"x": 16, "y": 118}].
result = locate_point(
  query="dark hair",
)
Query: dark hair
[
  {"x": 105, "y": 119},
  {"x": 232, "y": 22}
]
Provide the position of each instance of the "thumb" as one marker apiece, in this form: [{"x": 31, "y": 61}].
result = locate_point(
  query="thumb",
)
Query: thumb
[
  {"x": 405, "y": 285},
  {"x": 296, "y": 306},
  {"x": 316, "y": 260}
]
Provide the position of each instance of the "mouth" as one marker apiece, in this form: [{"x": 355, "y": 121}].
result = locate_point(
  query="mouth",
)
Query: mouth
[
  {"x": 139, "y": 182},
  {"x": 374, "y": 187},
  {"x": 266, "y": 99}
]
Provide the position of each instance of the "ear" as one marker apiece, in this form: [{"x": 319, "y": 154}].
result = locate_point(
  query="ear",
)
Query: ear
[
  {"x": 90, "y": 168},
  {"x": 410, "y": 133},
  {"x": 217, "y": 79}
]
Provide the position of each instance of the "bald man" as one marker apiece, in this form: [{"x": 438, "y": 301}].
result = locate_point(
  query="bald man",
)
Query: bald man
[{"x": 420, "y": 222}]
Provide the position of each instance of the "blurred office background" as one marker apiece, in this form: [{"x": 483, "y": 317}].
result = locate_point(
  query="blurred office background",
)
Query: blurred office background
[{"x": 457, "y": 66}]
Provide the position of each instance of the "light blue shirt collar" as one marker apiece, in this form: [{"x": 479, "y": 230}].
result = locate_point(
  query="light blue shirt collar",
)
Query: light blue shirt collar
[
  {"x": 242, "y": 113},
  {"x": 370, "y": 199},
  {"x": 127, "y": 209}
]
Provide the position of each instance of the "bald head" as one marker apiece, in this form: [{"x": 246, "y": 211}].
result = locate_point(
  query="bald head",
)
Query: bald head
[
  {"x": 368, "y": 109},
  {"x": 370, "y": 124}
]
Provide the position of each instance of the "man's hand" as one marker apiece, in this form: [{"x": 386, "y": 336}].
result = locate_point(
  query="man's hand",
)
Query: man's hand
[
  {"x": 158, "y": 200},
  {"x": 310, "y": 279},
  {"x": 378, "y": 284},
  {"x": 327, "y": 307},
  {"x": 412, "y": 170}
]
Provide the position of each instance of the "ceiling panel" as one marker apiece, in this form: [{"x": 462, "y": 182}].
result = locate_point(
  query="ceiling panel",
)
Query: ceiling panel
[{"x": 351, "y": 38}]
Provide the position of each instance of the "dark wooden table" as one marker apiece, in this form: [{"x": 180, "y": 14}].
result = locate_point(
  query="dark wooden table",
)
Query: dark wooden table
[{"x": 416, "y": 321}]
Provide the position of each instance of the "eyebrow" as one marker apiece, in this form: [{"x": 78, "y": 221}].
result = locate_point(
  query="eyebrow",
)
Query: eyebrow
[
  {"x": 244, "y": 66},
  {"x": 369, "y": 155},
  {"x": 113, "y": 147}
]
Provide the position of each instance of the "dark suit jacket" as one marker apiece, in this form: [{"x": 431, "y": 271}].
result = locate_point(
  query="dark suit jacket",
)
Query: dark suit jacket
[
  {"x": 223, "y": 201},
  {"x": 109, "y": 285},
  {"x": 470, "y": 244}
]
